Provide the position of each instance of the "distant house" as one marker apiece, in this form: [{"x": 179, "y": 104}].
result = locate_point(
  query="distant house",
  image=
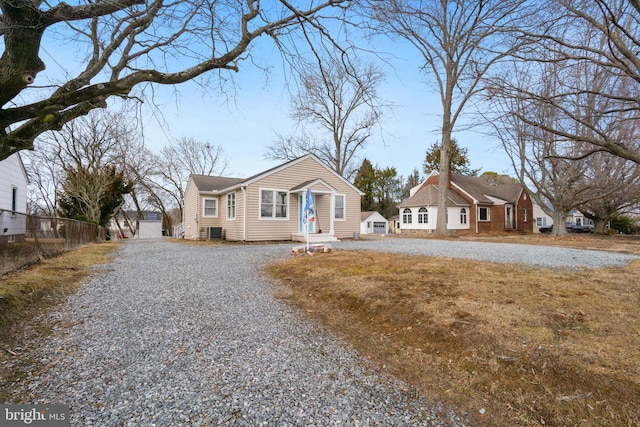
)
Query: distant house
[
  {"x": 575, "y": 217},
  {"x": 373, "y": 223},
  {"x": 541, "y": 219},
  {"x": 139, "y": 225},
  {"x": 270, "y": 205},
  {"x": 473, "y": 206},
  {"x": 13, "y": 199},
  {"x": 394, "y": 224}
]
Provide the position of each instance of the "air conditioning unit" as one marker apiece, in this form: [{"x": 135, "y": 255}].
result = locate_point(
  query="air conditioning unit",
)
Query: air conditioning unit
[{"x": 214, "y": 233}]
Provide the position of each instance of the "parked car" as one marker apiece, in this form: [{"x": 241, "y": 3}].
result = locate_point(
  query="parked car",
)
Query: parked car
[{"x": 571, "y": 228}]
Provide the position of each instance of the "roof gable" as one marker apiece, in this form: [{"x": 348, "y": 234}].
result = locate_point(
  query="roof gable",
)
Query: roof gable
[
  {"x": 290, "y": 163},
  {"x": 428, "y": 196},
  {"x": 370, "y": 215},
  {"x": 318, "y": 185},
  {"x": 474, "y": 187},
  {"x": 219, "y": 184}
]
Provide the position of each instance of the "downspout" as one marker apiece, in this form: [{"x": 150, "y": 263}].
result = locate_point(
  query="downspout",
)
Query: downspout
[
  {"x": 476, "y": 215},
  {"x": 244, "y": 213},
  {"x": 332, "y": 210}
]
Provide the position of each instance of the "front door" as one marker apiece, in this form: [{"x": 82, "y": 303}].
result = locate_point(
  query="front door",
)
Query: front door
[
  {"x": 301, "y": 225},
  {"x": 508, "y": 224}
]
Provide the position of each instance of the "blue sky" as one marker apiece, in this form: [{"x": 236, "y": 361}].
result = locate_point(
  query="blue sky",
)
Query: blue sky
[
  {"x": 244, "y": 123},
  {"x": 245, "y": 120}
]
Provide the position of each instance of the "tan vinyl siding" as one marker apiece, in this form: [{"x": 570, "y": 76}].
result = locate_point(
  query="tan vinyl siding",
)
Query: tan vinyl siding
[
  {"x": 232, "y": 229},
  {"x": 189, "y": 211},
  {"x": 280, "y": 229}
]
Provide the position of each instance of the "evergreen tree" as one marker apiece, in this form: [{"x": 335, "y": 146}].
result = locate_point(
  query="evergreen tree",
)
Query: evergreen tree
[
  {"x": 92, "y": 195},
  {"x": 459, "y": 159},
  {"x": 365, "y": 180}
]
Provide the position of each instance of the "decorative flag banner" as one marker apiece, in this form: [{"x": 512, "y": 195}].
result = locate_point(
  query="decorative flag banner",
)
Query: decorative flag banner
[{"x": 309, "y": 208}]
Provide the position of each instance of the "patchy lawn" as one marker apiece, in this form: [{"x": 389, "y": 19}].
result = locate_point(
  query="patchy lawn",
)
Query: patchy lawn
[
  {"x": 26, "y": 293},
  {"x": 510, "y": 345}
]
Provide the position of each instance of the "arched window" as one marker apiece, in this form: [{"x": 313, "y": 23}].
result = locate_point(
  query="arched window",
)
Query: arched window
[
  {"x": 463, "y": 216},
  {"x": 423, "y": 216},
  {"x": 406, "y": 216}
]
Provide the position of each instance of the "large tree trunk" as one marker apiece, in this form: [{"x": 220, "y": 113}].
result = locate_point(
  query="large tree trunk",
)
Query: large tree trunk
[
  {"x": 559, "y": 226},
  {"x": 600, "y": 225},
  {"x": 445, "y": 168}
]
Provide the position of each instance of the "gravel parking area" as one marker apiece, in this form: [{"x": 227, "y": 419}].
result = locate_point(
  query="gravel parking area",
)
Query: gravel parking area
[
  {"x": 535, "y": 255},
  {"x": 180, "y": 335}
]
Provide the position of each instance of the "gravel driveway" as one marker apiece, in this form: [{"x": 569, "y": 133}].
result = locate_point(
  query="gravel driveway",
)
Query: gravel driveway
[{"x": 173, "y": 335}]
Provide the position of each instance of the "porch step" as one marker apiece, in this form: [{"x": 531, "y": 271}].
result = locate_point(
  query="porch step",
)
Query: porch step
[{"x": 314, "y": 238}]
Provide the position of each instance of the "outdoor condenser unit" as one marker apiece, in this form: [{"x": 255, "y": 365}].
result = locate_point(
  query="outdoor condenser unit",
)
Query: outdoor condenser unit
[{"x": 214, "y": 233}]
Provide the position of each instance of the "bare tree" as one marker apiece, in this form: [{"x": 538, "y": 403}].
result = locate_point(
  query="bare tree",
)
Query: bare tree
[
  {"x": 45, "y": 177},
  {"x": 338, "y": 98},
  {"x": 622, "y": 176},
  {"x": 459, "y": 41},
  {"x": 73, "y": 162},
  {"x": 127, "y": 43},
  {"x": 167, "y": 181},
  {"x": 603, "y": 36},
  {"x": 560, "y": 173}
]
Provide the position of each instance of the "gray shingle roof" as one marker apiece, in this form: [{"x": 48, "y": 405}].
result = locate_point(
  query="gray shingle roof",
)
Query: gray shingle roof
[
  {"x": 214, "y": 183},
  {"x": 479, "y": 189},
  {"x": 476, "y": 187},
  {"x": 428, "y": 196}
]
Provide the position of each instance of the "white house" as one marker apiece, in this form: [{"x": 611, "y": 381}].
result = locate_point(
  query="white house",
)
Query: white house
[
  {"x": 373, "y": 223},
  {"x": 13, "y": 199},
  {"x": 541, "y": 219}
]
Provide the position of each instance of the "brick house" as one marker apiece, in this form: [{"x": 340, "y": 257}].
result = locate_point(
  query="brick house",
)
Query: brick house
[{"x": 473, "y": 207}]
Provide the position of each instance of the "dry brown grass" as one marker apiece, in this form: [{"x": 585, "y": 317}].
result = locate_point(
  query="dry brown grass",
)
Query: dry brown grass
[
  {"x": 33, "y": 290},
  {"x": 47, "y": 279},
  {"x": 529, "y": 346}
]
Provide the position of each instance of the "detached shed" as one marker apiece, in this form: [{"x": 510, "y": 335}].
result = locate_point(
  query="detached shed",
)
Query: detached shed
[{"x": 373, "y": 223}]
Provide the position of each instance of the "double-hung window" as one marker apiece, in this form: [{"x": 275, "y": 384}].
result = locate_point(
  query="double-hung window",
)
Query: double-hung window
[
  {"x": 231, "y": 205},
  {"x": 273, "y": 204},
  {"x": 463, "y": 216},
  {"x": 210, "y": 208},
  {"x": 484, "y": 214},
  {"x": 339, "y": 208}
]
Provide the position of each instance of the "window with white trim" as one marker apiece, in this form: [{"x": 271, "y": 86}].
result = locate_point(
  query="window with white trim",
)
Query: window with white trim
[
  {"x": 524, "y": 214},
  {"x": 231, "y": 205},
  {"x": 463, "y": 216},
  {"x": 210, "y": 208},
  {"x": 406, "y": 216},
  {"x": 339, "y": 212},
  {"x": 423, "y": 216},
  {"x": 273, "y": 204},
  {"x": 484, "y": 214}
]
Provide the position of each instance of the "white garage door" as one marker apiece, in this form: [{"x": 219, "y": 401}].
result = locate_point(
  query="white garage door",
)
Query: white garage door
[{"x": 379, "y": 227}]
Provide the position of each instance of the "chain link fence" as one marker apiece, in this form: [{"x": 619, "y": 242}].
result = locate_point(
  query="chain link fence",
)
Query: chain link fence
[{"x": 25, "y": 239}]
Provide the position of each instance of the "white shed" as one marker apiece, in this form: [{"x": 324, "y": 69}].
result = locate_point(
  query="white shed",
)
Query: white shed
[
  {"x": 373, "y": 223},
  {"x": 149, "y": 228}
]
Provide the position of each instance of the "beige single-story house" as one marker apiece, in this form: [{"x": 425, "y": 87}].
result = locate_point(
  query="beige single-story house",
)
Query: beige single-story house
[{"x": 270, "y": 205}]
